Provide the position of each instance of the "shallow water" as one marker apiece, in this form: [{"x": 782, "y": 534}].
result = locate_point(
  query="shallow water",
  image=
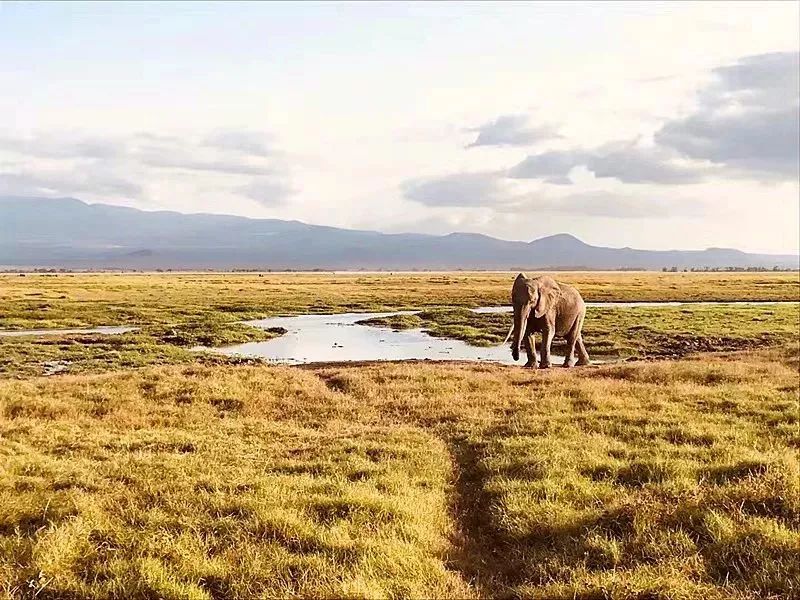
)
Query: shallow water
[
  {"x": 38, "y": 332},
  {"x": 339, "y": 338},
  {"x": 335, "y": 338}
]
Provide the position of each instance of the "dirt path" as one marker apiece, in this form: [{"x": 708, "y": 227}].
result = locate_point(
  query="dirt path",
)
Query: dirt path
[{"x": 477, "y": 554}]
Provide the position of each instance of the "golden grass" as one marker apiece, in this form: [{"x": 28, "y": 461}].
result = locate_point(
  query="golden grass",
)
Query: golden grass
[
  {"x": 74, "y": 300},
  {"x": 168, "y": 478},
  {"x": 648, "y": 480}
]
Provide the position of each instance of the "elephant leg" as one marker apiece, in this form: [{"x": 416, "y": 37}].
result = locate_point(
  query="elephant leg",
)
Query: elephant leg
[
  {"x": 530, "y": 349},
  {"x": 547, "y": 340},
  {"x": 583, "y": 356},
  {"x": 569, "y": 358}
]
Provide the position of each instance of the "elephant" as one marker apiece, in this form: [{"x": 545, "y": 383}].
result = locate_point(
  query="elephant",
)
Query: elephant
[{"x": 543, "y": 305}]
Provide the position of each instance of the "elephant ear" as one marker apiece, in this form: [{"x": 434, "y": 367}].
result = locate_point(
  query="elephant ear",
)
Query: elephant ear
[
  {"x": 549, "y": 293},
  {"x": 520, "y": 291}
]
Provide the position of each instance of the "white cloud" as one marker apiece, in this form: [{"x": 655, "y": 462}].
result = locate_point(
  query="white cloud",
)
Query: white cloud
[
  {"x": 266, "y": 192},
  {"x": 108, "y": 168},
  {"x": 746, "y": 124},
  {"x": 628, "y": 162},
  {"x": 93, "y": 181},
  {"x": 747, "y": 119},
  {"x": 512, "y": 130},
  {"x": 458, "y": 189},
  {"x": 357, "y": 101},
  {"x": 254, "y": 143}
]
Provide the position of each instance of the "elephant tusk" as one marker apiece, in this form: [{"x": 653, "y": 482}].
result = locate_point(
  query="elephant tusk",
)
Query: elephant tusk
[{"x": 509, "y": 335}]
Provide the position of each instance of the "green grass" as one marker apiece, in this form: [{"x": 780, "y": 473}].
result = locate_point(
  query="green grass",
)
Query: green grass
[
  {"x": 148, "y": 470},
  {"x": 286, "y": 511},
  {"x": 150, "y": 345},
  {"x": 699, "y": 498},
  {"x": 175, "y": 312},
  {"x": 622, "y": 332},
  {"x": 77, "y": 300},
  {"x": 667, "y": 480}
]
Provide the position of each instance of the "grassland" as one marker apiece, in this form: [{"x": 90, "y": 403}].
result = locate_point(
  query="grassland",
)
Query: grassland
[
  {"x": 174, "y": 312},
  {"x": 657, "y": 480},
  {"x": 149, "y": 471},
  {"x": 628, "y": 332},
  {"x": 75, "y": 300},
  {"x": 148, "y": 345}
]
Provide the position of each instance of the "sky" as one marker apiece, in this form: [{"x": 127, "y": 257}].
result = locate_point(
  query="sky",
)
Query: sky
[{"x": 650, "y": 125}]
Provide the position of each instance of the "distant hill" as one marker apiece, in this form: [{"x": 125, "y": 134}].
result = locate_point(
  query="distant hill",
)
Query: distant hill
[{"x": 69, "y": 233}]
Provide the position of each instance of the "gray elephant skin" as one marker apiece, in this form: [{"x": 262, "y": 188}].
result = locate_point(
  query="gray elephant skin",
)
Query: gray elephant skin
[{"x": 542, "y": 305}]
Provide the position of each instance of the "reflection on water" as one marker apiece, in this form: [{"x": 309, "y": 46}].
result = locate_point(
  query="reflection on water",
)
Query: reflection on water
[{"x": 333, "y": 338}]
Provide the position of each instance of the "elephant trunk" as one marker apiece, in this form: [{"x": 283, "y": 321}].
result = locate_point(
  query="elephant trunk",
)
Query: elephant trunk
[{"x": 520, "y": 324}]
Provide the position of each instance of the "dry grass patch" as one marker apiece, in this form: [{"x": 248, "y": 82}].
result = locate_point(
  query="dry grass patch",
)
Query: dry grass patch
[
  {"x": 239, "y": 508},
  {"x": 651, "y": 480}
]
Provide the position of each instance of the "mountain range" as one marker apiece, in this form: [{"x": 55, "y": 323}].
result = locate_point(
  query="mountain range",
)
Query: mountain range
[{"x": 69, "y": 233}]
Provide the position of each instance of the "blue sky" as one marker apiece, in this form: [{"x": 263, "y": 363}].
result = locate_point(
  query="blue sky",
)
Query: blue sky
[{"x": 656, "y": 125}]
